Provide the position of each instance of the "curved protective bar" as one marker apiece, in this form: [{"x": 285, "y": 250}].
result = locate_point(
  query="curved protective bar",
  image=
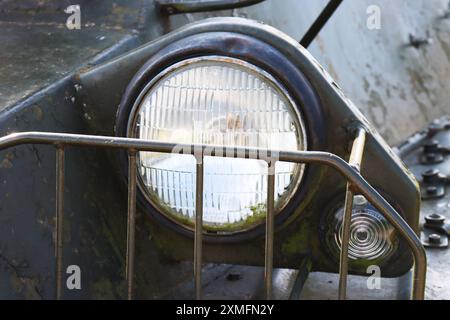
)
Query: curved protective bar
[{"x": 328, "y": 159}]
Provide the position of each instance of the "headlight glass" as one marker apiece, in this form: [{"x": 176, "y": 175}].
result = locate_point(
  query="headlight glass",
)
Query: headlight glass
[{"x": 219, "y": 101}]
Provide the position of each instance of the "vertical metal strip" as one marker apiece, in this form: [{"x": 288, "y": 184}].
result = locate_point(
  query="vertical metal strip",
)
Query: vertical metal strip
[
  {"x": 59, "y": 219},
  {"x": 356, "y": 157},
  {"x": 198, "y": 241},
  {"x": 270, "y": 223},
  {"x": 345, "y": 235},
  {"x": 131, "y": 222}
]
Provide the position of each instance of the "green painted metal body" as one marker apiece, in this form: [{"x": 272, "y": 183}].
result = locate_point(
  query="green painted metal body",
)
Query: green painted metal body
[{"x": 66, "y": 94}]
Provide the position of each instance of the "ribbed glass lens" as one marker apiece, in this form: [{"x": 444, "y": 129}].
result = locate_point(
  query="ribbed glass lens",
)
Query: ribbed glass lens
[
  {"x": 218, "y": 101},
  {"x": 371, "y": 235}
]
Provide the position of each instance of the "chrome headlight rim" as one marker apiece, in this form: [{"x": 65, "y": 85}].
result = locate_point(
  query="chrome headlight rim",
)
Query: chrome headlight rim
[{"x": 262, "y": 56}]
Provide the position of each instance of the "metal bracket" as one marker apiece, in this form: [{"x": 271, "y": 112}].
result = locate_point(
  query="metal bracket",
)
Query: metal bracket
[{"x": 300, "y": 280}]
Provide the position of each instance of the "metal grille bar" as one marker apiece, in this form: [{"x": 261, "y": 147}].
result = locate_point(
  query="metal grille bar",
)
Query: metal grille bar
[
  {"x": 198, "y": 240},
  {"x": 131, "y": 222},
  {"x": 270, "y": 225},
  {"x": 349, "y": 172},
  {"x": 356, "y": 157},
  {"x": 59, "y": 219}
]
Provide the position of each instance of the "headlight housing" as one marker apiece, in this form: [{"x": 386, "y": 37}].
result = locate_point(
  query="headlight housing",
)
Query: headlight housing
[
  {"x": 217, "y": 100},
  {"x": 327, "y": 117}
]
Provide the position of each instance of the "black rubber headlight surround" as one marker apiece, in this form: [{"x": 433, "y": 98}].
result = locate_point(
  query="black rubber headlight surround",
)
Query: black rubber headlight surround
[{"x": 225, "y": 89}]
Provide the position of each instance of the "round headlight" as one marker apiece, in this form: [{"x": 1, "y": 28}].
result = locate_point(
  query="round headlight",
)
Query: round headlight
[
  {"x": 220, "y": 101},
  {"x": 371, "y": 236}
]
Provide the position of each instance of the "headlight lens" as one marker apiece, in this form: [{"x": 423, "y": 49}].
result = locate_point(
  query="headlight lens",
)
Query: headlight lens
[
  {"x": 220, "y": 101},
  {"x": 371, "y": 235}
]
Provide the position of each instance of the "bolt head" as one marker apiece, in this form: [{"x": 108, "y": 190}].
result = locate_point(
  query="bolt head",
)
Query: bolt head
[
  {"x": 434, "y": 238},
  {"x": 435, "y": 219},
  {"x": 360, "y": 202},
  {"x": 431, "y": 190},
  {"x": 430, "y": 176}
]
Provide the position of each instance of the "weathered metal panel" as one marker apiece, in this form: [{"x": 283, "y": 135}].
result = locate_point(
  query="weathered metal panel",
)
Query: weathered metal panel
[
  {"x": 399, "y": 88},
  {"x": 37, "y": 58}
]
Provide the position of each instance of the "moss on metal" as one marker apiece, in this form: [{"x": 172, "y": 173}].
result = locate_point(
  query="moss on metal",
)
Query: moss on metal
[
  {"x": 298, "y": 242},
  {"x": 259, "y": 214}
]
